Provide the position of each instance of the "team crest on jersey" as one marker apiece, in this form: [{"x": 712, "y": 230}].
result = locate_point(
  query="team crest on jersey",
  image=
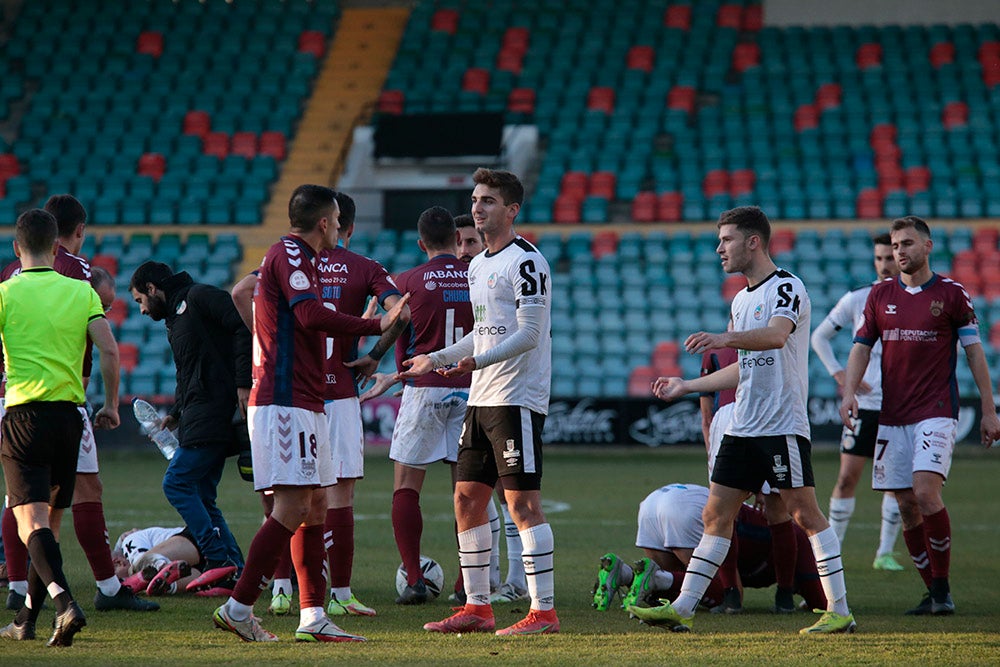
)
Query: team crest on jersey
[
  {"x": 758, "y": 312},
  {"x": 492, "y": 281},
  {"x": 298, "y": 280},
  {"x": 181, "y": 307},
  {"x": 430, "y": 285},
  {"x": 937, "y": 307}
]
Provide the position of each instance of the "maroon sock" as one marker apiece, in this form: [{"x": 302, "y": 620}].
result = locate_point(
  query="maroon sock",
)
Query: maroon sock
[
  {"x": 728, "y": 574},
  {"x": 309, "y": 558},
  {"x": 283, "y": 570},
  {"x": 784, "y": 553},
  {"x": 407, "y": 526},
  {"x": 14, "y": 549},
  {"x": 807, "y": 582},
  {"x": 916, "y": 544},
  {"x": 675, "y": 588},
  {"x": 340, "y": 532},
  {"x": 937, "y": 529},
  {"x": 92, "y": 534},
  {"x": 265, "y": 550}
]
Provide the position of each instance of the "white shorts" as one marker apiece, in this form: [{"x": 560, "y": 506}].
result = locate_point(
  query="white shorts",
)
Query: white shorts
[
  {"x": 428, "y": 425},
  {"x": 347, "y": 437},
  {"x": 670, "y": 517},
  {"x": 290, "y": 446},
  {"x": 86, "y": 460},
  {"x": 717, "y": 429},
  {"x": 900, "y": 451}
]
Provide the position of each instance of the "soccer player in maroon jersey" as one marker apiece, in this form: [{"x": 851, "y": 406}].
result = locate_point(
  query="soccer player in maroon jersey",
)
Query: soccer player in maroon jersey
[
  {"x": 288, "y": 432},
  {"x": 88, "y": 509},
  {"x": 920, "y": 317}
]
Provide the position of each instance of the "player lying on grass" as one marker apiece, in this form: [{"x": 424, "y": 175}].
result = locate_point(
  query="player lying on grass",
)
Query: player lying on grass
[
  {"x": 669, "y": 529},
  {"x": 163, "y": 561}
]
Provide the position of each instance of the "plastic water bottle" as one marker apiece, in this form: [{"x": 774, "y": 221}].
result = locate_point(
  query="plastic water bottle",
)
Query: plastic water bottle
[{"x": 164, "y": 438}]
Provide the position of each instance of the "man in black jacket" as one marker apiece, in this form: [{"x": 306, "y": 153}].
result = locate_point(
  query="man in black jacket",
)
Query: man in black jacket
[{"x": 211, "y": 347}]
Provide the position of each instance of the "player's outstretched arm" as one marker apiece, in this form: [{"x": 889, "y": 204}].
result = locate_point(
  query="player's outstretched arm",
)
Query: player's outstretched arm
[
  {"x": 100, "y": 332},
  {"x": 771, "y": 337},
  {"x": 857, "y": 362},
  {"x": 415, "y": 367},
  {"x": 396, "y": 313},
  {"x": 366, "y": 366},
  {"x": 989, "y": 428},
  {"x": 672, "y": 388}
]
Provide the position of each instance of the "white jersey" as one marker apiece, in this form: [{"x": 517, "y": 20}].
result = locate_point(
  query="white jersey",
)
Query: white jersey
[
  {"x": 135, "y": 545},
  {"x": 774, "y": 384},
  {"x": 850, "y": 312},
  {"x": 499, "y": 284}
]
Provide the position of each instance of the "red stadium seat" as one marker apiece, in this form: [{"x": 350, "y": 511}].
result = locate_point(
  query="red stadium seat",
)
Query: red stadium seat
[
  {"x": 942, "y": 53},
  {"x": 216, "y": 143},
  {"x": 664, "y": 358},
  {"x": 729, "y": 16},
  {"x": 515, "y": 39},
  {"x": 566, "y": 210},
  {"x": 868, "y": 204},
  {"x": 312, "y": 42},
  {"x": 883, "y": 132},
  {"x": 640, "y": 58},
  {"x": 118, "y": 312},
  {"x": 476, "y": 80},
  {"x": 574, "y": 184},
  {"x": 602, "y": 184},
  {"x": 984, "y": 241},
  {"x": 150, "y": 43},
  {"x": 782, "y": 240},
  {"x": 741, "y": 181},
  {"x": 521, "y": 100},
  {"x": 245, "y": 144},
  {"x": 806, "y": 117},
  {"x": 917, "y": 179},
  {"x": 273, "y": 143},
  {"x": 390, "y": 102},
  {"x": 716, "y": 182},
  {"x": 644, "y": 207},
  {"x": 601, "y": 98},
  {"x": 678, "y": 16},
  {"x": 153, "y": 165},
  {"x": 733, "y": 284},
  {"x": 955, "y": 114},
  {"x": 640, "y": 381},
  {"x": 669, "y": 206},
  {"x": 107, "y": 262},
  {"x": 445, "y": 20},
  {"x": 753, "y": 18},
  {"x": 9, "y": 166},
  {"x": 745, "y": 56},
  {"x": 828, "y": 96},
  {"x": 508, "y": 61},
  {"x": 197, "y": 123},
  {"x": 681, "y": 97},
  {"x": 128, "y": 356},
  {"x": 604, "y": 243},
  {"x": 868, "y": 55}
]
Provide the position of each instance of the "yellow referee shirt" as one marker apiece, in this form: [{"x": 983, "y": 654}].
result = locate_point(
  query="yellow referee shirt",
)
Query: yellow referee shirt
[{"x": 43, "y": 323}]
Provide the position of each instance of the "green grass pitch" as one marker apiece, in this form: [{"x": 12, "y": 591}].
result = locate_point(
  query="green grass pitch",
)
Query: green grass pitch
[{"x": 591, "y": 498}]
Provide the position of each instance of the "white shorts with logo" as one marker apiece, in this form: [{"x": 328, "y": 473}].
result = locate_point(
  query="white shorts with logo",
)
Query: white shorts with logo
[
  {"x": 428, "y": 425},
  {"x": 720, "y": 422},
  {"x": 900, "y": 451},
  {"x": 290, "y": 446},
  {"x": 86, "y": 460},
  {"x": 347, "y": 437},
  {"x": 670, "y": 518}
]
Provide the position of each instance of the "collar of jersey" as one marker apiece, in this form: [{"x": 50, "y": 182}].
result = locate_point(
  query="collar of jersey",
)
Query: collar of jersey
[
  {"x": 302, "y": 244},
  {"x": 37, "y": 269},
  {"x": 916, "y": 288},
  {"x": 769, "y": 276},
  {"x": 494, "y": 254}
]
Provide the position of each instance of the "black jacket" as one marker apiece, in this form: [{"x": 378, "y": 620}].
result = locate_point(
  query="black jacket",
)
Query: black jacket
[{"x": 211, "y": 347}]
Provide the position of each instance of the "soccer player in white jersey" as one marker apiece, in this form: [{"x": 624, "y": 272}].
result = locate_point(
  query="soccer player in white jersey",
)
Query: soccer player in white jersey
[
  {"x": 858, "y": 443},
  {"x": 920, "y": 318},
  {"x": 768, "y": 439},
  {"x": 509, "y": 353}
]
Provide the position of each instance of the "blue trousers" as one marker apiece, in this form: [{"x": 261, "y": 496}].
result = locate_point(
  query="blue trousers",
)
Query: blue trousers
[{"x": 191, "y": 486}]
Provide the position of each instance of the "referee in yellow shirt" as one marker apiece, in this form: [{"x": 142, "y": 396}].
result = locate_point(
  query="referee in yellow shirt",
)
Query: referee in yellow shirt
[{"x": 44, "y": 322}]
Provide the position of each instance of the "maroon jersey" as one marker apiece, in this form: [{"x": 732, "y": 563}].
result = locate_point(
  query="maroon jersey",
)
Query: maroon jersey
[
  {"x": 714, "y": 360},
  {"x": 920, "y": 328},
  {"x": 71, "y": 266},
  {"x": 346, "y": 280},
  {"x": 440, "y": 314}
]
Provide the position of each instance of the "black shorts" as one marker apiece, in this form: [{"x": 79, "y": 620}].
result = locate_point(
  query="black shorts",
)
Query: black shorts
[
  {"x": 502, "y": 442},
  {"x": 40, "y": 445},
  {"x": 860, "y": 440},
  {"x": 783, "y": 461}
]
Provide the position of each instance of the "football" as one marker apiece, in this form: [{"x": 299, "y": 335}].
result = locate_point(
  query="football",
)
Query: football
[{"x": 432, "y": 573}]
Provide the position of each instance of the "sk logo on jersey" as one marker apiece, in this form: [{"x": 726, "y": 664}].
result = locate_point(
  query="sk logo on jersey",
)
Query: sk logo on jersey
[{"x": 937, "y": 307}]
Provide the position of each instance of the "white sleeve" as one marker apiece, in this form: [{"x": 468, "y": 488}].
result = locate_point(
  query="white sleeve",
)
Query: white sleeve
[
  {"x": 822, "y": 347},
  {"x": 454, "y": 353},
  {"x": 529, "y": 329}
]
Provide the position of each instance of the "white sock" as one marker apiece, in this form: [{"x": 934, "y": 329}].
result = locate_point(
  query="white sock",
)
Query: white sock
[
  {"x": 341, "y": 594},
  {"x": 310, "y": 615},
  {"x": 281, "y": 586},
  {"x": 826, "y": 549},
  {"x": 110, "y": 586},
  {"x": 705, "y": 562},
  {"x": 662, "y": 580},
  {"x": 237, "y": 610},
  {"x": 19, "y": 587},
  {"x": 515, "y": 567},
  {"x": 494, "y": 517},
  {"x": 891, "y": 522},
  {"x": 841, "y": 510},
  {"x": 474, "y": 557},
  {"x": 538, "y": 564}
]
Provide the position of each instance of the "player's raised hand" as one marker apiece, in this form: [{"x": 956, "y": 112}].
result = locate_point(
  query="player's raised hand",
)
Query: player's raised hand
[
  {"x": 669, "y": 388},
  {"x": 396, "y": 313},
  {"x": 698, "y": 342},
  {"x": 415, "y": 367},
  {"x": 380, "y": 383},
  {"x": 989, "y": 429},
  {"x": 848, "y": 410}
]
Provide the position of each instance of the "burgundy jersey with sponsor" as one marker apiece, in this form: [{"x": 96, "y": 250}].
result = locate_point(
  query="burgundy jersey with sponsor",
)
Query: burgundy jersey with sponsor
[
  {"x": 920, "y": 328},
  {"x": 714, "y": 360},
  {"x": 71, "y": 266},
  {"x": 440, "y": 314},
  {"x": 287, "y": 358},
  {"x": 346, "y": 280}
]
